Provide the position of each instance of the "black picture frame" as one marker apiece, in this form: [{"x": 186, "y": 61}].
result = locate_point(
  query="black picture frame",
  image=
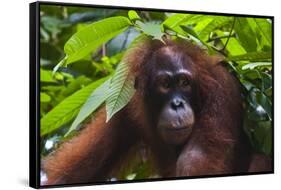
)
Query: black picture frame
[{"x": 34, "y": 91}]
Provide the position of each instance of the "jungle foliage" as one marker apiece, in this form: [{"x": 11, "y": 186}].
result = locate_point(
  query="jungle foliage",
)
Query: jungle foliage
[{"x": 81, "y": 66}]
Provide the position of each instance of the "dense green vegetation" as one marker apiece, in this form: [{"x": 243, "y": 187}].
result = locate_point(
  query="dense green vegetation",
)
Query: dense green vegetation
[{"x": 81, "y": 69}]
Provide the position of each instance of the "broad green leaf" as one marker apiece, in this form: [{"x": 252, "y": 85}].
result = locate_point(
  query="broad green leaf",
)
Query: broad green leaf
[
  {"x": 267, "y": 141},
  {"x": 257, "y": 64},
  {"x": 247, "y": 84},
  {"x": 81, "y": 26},
  {"x": 121, "y": 90},
  {"x": 260, "y": 106},
  {"x": 133, "y": 15},
  {"x": 194, "y": 20},
  {"x": 44, "y": 97},
  {"x": 95, "y": 100},
  {"x": 196, "y": 38},
  {"x": 246, "y": 35},
  {"x": 262, "y": 80},
  {"x": 203, "y": 23},
  {"x": 258, "y": 114},
  {"x": 73, "y": 86},
  {"x": 265, "y": 28},
  {"x": 252, "y": 56},
  {"x": 46, "y": 76},
  {"x": 67, "y": 109},
  {"x": 268, "y": 92},
  {"x": 266, "y": 80},
  {"x": 93, "y": 36},
  {"x": 151, "y": 29},
  {"x": 263, "y": 136},
  {"x": 179, "y": 24},
  {"x": 262, "y": 27},
  {"x": 217, "y": 22},
  {"x": 190, "y": 31},
  {"x": 266, "y": 104},
  {"x": 234, "y": 47},
  {"x": 174, "y": 21}
]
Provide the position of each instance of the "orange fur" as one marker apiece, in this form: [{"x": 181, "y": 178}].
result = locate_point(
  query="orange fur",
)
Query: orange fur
[{"x": 216, "y": 146}]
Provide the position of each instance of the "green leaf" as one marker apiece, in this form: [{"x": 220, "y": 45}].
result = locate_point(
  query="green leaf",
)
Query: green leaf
[
  {"x": 96, "y": 99},
  {"x": 94, "y": 35},
  {"x": 262, "y": 27},
  {"x": 257, "y": 64},
  {"x": 265, "y": 28},
  {"x": 196, "y": 38},
  {"x": 174, "y": 21},
  {"x": 190, "y": 31},
  {"x": 266, "y": 104},
  {"x": 252, "y": 56},
  {"x": 234, "y": 47},
  {"x": 260, "y": 106},
  {"x": 121, "y": 90},
  {"x": 67, "y": 109},
  {"x": 246, "y": 35},
  {"x": 267, "y": 141},
  {"x": 151, "y": 29},
  {"x": 263, "y": 136},
  {"x": 180, "y": 23},
  {"x": 133, "y": 15},
  {"x": 217, "y": 22},
  {"x": 194, "y": 19},
  {"x": 46, "y": 76},
  {"x": 203, "y": 23},
  {"x": 247, "y": 84},
  {"x": 44, "y": 97},
  {"x": 73, "y": 86}
]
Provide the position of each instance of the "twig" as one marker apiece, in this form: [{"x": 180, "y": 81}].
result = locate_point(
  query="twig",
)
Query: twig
[
  {"x": 125, "y": 41},
  {"x": 219, "y": 51},
  {"x": 219, "y": 37},
  {"x": 233, "y": 23}
]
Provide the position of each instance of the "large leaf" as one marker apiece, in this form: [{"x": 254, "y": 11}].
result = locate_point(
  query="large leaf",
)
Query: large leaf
[
  {"x": 151, "y": 29},
  {"x": 203, "y": 23},
  {"x": 133, "y": 16},
  {"x": 233, "y": 46},
  {"x": 262, "y": 136},
  {"x": 46, "y": 76},
  {"x": 121, "y": 90},
  {"x": 253, "y": 56},
  {"x": 44, "y": 97},
  {"x": 180, "y": 23},
  {"x": 96, "y": 99},
  {"x": 193, "y": 35},
  {"x": 190, "y": 31},
  {"x": 257, "y": 64},
  {"x": 246, "y": 35},
  {"x": 174, "y": 21},
  {"x": 217, "y": 22},
  {"x": 263, "y": 29},
  {"x": 93, "y": 36},
  {"x": 67, "y": 109}
]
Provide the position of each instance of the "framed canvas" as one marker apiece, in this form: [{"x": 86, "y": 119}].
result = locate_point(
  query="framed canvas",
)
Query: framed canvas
[{"x": 122, "y": 94}]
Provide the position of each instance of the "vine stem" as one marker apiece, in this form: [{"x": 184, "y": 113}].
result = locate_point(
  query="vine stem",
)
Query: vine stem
[
  {"x": 219, "y": 37},
  {"x": 232, "y": 27}
]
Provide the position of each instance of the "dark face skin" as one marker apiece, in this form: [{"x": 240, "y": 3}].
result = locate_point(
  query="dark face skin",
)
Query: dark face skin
[{"x": 171, "y": 91}]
